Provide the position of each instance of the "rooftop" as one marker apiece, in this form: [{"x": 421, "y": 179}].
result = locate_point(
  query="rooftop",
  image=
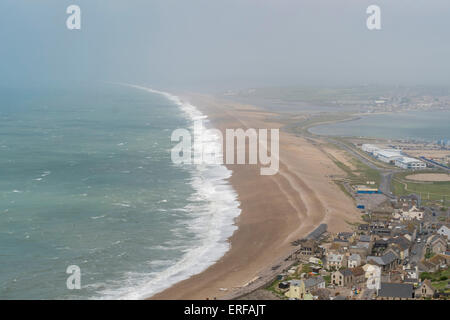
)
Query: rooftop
[
  {"x": 408, "y": 160},
  {"x": 384, "y": 259},
  {"x": 346, "y": 272},
  {"x": 355, "y": 256},
  {"x": 390, "y": 153},
  {"x": 396, "y": 290},
  {"x": 313, "y": 281}
]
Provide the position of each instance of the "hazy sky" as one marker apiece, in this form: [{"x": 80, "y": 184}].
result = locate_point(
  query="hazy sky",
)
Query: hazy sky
[{"x": 225, "y": 43}]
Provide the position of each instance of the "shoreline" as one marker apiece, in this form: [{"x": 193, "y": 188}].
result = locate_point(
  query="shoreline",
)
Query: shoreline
[
  {"x": 214, "y": 218},
  {"x": 275, "y": 210}
]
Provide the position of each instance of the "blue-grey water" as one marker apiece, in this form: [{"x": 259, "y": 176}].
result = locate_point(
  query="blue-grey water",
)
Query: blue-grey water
[
  {"x": 417, "y": 125},
  {"x": 86, "y": 179}
]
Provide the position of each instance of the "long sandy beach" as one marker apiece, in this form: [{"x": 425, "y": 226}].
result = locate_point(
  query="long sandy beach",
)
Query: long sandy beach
[{"x": 275, "y": 209}]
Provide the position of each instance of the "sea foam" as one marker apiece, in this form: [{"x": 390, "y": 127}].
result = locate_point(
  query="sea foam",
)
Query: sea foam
[{"x": 214, "y": 207}]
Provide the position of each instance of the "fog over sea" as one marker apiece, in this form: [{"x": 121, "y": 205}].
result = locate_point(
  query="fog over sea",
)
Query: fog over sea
[
  {"x": 415, "y": 125},
  {"x": 86, "y": 179}
]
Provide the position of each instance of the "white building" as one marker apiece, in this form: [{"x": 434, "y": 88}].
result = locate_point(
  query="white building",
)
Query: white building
[
  {"x": 411, "y": 214},
  {"x": 444, "y": 231},
  {"x": 335, "y": 260},
  {"x": 354, "y": 261},
  {"x": 373, "y": 276},
  {"x": 388, "y": 155},
  {"x": 369, "y": 148},
  {"x": 410, "y": 163}
]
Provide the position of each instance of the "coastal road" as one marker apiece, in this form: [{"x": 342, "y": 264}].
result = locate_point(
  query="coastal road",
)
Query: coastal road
[{"x": 385, "y": 182}]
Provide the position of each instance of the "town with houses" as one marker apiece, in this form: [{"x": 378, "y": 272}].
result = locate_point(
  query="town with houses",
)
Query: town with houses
[{"x": 399, "y": 252}]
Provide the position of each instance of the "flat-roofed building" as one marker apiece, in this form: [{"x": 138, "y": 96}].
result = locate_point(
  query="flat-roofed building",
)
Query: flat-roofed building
[
  {"x": 410, "y": 163},
  {"x": 388, "y": 155},
  {"x": 369, "y": 148}
]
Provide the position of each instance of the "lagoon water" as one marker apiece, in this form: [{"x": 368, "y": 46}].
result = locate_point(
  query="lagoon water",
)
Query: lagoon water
[
  {"x": 86, "y": 179},
  {"x": 426, "y": 126}
]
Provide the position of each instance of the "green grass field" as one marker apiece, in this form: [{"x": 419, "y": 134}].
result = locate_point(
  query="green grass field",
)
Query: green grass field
[
  {"x": 429, "y": 191},
  {"x": 361, "y": 175}
]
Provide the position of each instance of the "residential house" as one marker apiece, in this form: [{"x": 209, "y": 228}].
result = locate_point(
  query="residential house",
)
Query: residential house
[
  {"x": 410, "y": 235},
  {"x": 342, "y": 278},
  {"x": 377, "y": 225},
  {"x": 340, "y": 243},
  {"x": 407, "y": 215},
  {"x": 314, "y": 283},
  {"x": 425, "y": 289},
  {"x": 302, "y": 289},
  {"x": 444, "y": 231},
  {"x": 339, "y": 246},
  {"x": 434, "y": 263},
  {"x": 346, "y": 236},
  {"x": 358, "y": 275},
  {"x": 335, "y": 260},
  {"x": 386, "y": 262},
  {"x": 380, "y": 245},
  {"x": 354, "y": 260},
  {"x": 363, "y": 227},
  {"x": 411, "y": 275},
  {"x": 408, "y": 201},
  {"x": 372, "y": 276},
  {"x": 361, "y": 248},
  {"x": 437, "y": 244},
  {"x": 365, "y": 238},
  {"x": 382, "y": 232},
  {"x": 402, "y": 244},
  {"x": 307, "y": 248},
  {"x": 413, "y": 214},
  {"x": 446, "y": 255},
  {"x": 296, "y": 290},
  {"x": 396, "y": 290}
]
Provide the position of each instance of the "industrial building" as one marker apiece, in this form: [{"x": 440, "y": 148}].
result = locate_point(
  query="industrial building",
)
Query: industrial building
[
  {"x": 389, "y": 155},
  {"x": 410, "y": 163},
  {"x": 393, "y": 156},
  {"x": 369, "y": 148}
]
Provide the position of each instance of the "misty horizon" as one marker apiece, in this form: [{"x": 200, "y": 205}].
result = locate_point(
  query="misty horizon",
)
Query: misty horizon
[{"x": 225, "y": 45}]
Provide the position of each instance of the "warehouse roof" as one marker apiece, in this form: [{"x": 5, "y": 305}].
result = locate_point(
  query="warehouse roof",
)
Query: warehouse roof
[
  {"x": 408, "y": 160},
  {"x": 390, "y": 153}
]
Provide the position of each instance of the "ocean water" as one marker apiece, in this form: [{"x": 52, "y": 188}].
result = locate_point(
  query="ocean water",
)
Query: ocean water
[
  {"x": 417, "y": 125},
  {"x": 86, "y": 179}
]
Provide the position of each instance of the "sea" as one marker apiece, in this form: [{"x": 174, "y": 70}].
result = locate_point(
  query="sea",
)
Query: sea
[
  {"x": 426, "y": 126},
  {"x": 86, "y": 180}
]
